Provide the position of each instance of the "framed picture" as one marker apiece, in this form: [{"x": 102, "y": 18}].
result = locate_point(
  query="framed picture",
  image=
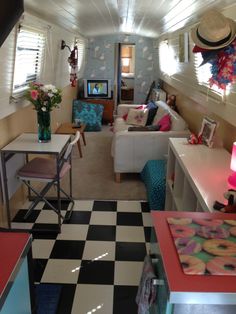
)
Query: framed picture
[{"x": 207, "y": 131}]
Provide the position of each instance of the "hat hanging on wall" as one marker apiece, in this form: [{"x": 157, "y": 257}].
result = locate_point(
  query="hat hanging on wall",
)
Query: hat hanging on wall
[{"x": 214, "y": 31}]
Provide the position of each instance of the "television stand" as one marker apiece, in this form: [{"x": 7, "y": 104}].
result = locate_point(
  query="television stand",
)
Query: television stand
[{"x": 108, "y": 107}]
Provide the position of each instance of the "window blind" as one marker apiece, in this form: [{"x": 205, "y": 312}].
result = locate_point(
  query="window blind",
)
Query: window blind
[{"x": 28, "y": 58}]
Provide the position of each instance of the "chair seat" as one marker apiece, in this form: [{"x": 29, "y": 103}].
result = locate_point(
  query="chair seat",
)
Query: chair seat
[{"x": 42, "y": 168}]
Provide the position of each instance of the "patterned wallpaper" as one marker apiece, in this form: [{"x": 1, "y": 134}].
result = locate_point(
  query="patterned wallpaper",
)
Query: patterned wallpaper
[{"x": 101, "y": 61}]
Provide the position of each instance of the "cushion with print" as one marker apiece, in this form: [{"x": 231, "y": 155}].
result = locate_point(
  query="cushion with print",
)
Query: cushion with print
[{"x": 89, "y": 114}]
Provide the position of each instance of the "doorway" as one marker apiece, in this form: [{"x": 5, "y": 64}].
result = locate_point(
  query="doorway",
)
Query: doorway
[{"x": 126, "y": 73}]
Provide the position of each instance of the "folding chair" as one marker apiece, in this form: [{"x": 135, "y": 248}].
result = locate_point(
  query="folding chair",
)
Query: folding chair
[{"x": 45, "y": 170}]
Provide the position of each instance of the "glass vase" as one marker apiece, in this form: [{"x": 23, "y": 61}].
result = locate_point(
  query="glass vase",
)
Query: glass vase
[{"x": 44, "y": 126}]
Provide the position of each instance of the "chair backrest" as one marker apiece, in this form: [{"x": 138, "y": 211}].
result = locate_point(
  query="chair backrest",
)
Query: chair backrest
[{"x": 70, "y": 146}]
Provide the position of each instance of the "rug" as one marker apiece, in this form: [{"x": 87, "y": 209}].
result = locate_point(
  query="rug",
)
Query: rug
[{"x": 93, "y": 175}]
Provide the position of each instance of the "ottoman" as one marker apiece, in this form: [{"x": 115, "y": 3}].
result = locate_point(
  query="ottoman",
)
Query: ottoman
[{"x": 154, "y": 178}]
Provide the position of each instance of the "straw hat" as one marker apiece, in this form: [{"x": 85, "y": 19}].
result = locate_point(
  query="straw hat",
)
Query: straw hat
[{"x": 214, "y": 31}]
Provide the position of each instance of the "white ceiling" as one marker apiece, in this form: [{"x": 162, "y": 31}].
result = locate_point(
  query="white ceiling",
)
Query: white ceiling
[{"x": 149, "y": 18}]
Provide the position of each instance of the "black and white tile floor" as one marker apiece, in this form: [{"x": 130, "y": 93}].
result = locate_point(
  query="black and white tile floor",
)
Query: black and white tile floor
[{"x": 97, "y": 257}]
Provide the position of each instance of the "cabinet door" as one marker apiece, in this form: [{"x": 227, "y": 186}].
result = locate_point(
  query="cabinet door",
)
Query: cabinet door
[{"x": 162, "y": 305}]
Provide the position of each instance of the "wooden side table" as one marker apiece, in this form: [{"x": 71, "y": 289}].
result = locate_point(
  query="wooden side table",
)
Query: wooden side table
[{"x": 69, "y": 128}]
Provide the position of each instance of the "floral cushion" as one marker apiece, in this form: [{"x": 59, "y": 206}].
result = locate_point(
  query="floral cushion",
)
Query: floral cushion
[
  {"x": 137, "y": 117},
  {"x": 138, "y": 107},
  {"x": 88, "y": 113}
]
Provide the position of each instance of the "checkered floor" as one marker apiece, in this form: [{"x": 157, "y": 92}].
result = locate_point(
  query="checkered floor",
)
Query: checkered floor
[{"x": 97, "y": 257}]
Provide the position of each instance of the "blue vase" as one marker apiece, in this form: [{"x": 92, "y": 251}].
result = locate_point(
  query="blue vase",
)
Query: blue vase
[{"x": 44, "y": 126}]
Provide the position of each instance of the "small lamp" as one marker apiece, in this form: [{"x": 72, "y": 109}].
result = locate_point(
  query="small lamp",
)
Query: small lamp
[{"x": 232, "y": 177}]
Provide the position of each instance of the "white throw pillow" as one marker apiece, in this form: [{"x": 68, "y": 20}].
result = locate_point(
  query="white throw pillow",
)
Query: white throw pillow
[
  {"x": 161, "y": 112},
  {"x": 137, "y": 117}
]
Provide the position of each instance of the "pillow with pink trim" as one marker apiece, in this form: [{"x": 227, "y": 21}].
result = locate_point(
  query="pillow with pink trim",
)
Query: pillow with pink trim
[
  {"x": 165, "y": 123},
  {"x": 139, "y": 107}
]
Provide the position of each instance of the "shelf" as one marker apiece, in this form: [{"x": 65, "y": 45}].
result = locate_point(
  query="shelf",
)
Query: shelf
[{"x": 196, "y": 176}]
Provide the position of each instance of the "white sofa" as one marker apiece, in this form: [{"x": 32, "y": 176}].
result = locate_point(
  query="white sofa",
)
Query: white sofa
[{"x": 131, "y": 150}]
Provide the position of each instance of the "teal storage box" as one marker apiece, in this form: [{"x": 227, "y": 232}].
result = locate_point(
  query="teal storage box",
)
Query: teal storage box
[{"x": 154, "y": 178}]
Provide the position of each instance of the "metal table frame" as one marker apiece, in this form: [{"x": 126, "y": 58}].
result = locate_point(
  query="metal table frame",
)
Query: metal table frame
[{"x": 27, "y": 143}]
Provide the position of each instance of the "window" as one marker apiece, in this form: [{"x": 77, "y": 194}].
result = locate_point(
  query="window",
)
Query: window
[
  {"x": 28, "y": 59},
  {"x": 168, "y": 64},
  {"x": 81, "y": 49}
]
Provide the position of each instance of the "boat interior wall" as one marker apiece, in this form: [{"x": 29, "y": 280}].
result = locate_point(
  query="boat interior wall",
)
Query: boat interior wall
[
  {"x": 193, "y": 113},
  {"x": 18, "y": 116},
  {"x": 101, "y": 61},
  {"x": 184, "y": 80},
  {"x": 55, "y": 68}
]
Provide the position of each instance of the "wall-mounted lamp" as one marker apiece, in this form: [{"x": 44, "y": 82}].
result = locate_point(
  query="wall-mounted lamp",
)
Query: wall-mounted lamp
[
  {"x": 232, "y": 177},
  {"x": 73, "y": 61},
  {"x": 63, "y": 45}
]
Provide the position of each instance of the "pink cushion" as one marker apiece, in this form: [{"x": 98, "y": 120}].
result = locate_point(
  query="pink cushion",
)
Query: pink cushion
[
  {"x": 42, "y": 168},
  {"x": 138, "y": 107},
  {"x": 165, "y": 123}
]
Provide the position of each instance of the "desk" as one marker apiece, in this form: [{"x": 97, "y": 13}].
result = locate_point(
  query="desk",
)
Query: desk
[
  {"x": 27, "y": 143},
  {"x": 16, "y": 284},
  {"x": 68, "y": 128},
  {"x": 190, "y": 289}
]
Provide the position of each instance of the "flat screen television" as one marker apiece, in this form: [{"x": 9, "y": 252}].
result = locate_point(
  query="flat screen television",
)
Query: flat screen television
[
  {"x": 10, "y": 12},
  {"x": 97, "y": 88}
]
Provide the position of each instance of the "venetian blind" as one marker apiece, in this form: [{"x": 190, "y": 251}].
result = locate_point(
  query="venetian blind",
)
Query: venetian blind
[{"x": 28, "y": 58}]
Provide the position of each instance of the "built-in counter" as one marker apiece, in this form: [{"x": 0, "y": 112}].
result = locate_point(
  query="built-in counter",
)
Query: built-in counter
[
  {"x": 16, "y": 295},
  {"x": 182, "y": 289}
]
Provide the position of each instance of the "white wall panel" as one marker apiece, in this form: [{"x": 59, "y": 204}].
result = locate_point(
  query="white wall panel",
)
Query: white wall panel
[
  {"x": 55, "y": 71},
  {"x": 184, "y": 79}
]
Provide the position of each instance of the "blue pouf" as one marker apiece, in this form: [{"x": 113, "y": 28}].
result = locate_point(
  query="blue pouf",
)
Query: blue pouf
[{"x": 154, "y": 178}]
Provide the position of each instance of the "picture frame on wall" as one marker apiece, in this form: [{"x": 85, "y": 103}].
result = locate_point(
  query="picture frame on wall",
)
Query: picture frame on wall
[{"x": 207, "y": 131}]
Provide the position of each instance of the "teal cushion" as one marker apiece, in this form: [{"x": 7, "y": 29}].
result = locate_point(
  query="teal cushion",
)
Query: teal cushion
[{"x": 88, "y": 113}]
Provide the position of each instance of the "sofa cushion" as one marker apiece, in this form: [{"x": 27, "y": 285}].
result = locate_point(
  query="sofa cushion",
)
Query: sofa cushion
[
  {"x": 152, "y": 109},
  {"x": 144, "y": 128},
  {"x": 177, "y": 122},
  {"x": 165, "y": 123},
  {"x": 137, "y": 117},
  {"x": 161, "y": 112},
  {"x": 138, "y": 107},
  {"x": 88, "y": 113}
]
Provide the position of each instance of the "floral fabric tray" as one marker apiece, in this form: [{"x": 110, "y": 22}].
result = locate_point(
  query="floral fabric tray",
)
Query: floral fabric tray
[{"x": 205, "y": 246}]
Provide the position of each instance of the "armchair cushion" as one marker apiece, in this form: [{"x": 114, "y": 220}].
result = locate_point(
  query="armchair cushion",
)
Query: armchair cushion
[{"x": 88, "y": 113}]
